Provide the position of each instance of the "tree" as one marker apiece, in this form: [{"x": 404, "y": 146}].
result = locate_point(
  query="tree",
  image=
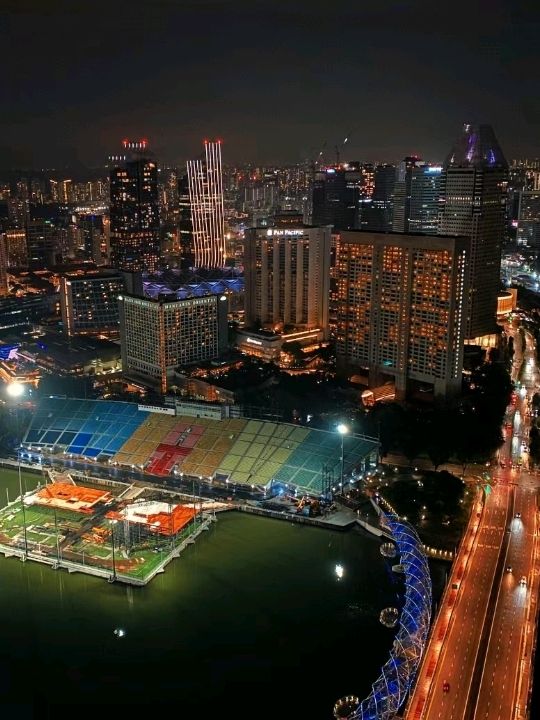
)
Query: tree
[
  {"x": 534, "y": 445},
  {"x": 412, "y": 439},
  {"x": 294, "y": 348}
]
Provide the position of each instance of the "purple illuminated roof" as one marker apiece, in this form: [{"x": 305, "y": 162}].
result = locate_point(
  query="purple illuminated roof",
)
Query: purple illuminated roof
[{"x": 476, "y": 147}]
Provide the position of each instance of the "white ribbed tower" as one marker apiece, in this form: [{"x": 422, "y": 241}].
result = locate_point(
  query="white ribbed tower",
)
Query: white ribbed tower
[{"x": 206, "y": 199}]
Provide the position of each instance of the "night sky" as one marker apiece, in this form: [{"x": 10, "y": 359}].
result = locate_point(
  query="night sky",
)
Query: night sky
[{"x": 277, "y": 80}]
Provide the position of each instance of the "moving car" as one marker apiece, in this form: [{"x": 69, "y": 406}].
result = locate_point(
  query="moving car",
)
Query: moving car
[
  {"x": 508, "y": 568},
  {"x": 517, "y": 515},
  {"x": 523, "y": 580},
  {"x": 446, "y": 686}
]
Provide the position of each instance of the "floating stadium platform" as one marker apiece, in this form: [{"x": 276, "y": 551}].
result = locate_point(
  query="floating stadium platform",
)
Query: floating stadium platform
[{"x": 235, "y": 450}]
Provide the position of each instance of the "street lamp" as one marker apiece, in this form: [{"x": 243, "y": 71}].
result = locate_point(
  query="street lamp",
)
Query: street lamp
[
  {"x": 342, "y": 430},
  {"x": 22, "y": 503},
  {"x": 113, "y": 523},
  {"x": 15, "y": 389}
]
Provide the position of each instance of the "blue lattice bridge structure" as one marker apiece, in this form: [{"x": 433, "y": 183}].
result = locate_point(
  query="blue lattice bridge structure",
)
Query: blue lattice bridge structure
[{"x": 391, "y": 688}]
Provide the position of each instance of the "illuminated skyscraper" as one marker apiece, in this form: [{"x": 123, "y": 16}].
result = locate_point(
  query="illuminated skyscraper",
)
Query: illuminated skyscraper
[
  {"x": 473, "y": 197},
  {"x": 424, "y": 205},
  {"x": 335, "y": 198},
  {"x": 528, "y": 231},
  {"x": 402, "y": 193},
  {"x": 134, "y": 229},
  {"x": 42, "y": 245},
  {"x": 207, "y": 215},
  {"x": 185, "y": 225}
]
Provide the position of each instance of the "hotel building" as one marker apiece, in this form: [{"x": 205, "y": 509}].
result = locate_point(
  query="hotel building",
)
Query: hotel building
[
  {"x": 287, "y": 276},
  {"x": 401, "y": 307},
  {"x": 157, "y": 336}
]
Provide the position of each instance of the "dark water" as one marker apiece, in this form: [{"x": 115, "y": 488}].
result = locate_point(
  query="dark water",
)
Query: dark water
[{"x": 251, "y": 622}]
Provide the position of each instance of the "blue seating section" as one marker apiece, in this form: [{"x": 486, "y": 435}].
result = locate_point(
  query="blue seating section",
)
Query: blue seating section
[{"x": 83, "y": 427}]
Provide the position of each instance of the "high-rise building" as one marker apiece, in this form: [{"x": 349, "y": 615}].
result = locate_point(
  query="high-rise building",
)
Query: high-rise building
[
  {"x": 401, "y": 309},
  {"x": 89, "y": 302},
  {"x": 473, "y": 197},
  {"x": 402, "y": 194},
  {"x": 134, "y": 209},
  {"x": 377, "y": 216},
  {"x": 424, "y": 202},
  {"x": 41, "y": 244},
  {"x": 207, "y": 211},
  {"x": 17, "y": 252},
  {"x": 335, "y": 198},
  {"x": 91, "y": 227},
  {"x": 528, "y": 230},
  {"x": 158, "y": 336},
  {"x": 185, "y": 226},
  {"x": 287, "y": 276}
]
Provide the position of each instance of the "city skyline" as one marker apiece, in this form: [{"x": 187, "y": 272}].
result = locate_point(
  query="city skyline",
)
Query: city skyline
[{"x": 399, "y": 80}]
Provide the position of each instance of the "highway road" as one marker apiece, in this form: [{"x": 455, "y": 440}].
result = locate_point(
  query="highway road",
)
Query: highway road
[
  {"x": 501, "y": 683},
  {"x": 458, "y": 655},
  {"x": 481, "y": 642}
]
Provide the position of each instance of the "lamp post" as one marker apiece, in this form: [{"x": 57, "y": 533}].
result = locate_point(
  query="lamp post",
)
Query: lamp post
[
  {"x": 342, "y": 430},
  {"x": 15, "y": 390},
  {"x": 113, "y": 523},
  {"x": 22, "y": 503}
]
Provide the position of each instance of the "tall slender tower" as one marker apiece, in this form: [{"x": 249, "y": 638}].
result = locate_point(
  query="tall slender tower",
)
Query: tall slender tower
[
  {"x": 473, "y": 196},
  {"x": 134, "y": 230},
  {"x": 207, "y": 214}
]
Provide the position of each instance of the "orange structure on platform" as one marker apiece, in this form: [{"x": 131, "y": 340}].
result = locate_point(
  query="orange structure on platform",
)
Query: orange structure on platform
[
  {"x": 65, "y": 496},
  {"x": 155, "y": 517}
]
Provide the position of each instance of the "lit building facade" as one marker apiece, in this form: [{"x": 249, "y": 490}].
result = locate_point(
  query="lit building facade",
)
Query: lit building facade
[
  {"x": 89, "y": 302},
  {"x": 185, "y": 225},
  {"x": 528, "y": 230},
  {"x": 335, "y": 198},
  {"x": 207, "y": 212},
  {"x": 402, "y": 194},
  {"x": 378, "y": 214},
  {"x": 401, "y": 308},
  {"x": 473, "y": 198},
  {"x": 157, "y": 336},
  {"x": 134, "y": 209},
  {"x": 17, "y": 252},
  {"x": 424, "y": 202},
  {"x": 287, "y": 276},
  {"x": 41, "y": 244},
  {"x": 506, "y": 303}
]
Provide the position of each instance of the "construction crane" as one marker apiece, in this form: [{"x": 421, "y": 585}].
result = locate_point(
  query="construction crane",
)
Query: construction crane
[
  {"x": 319, "y": 159},
  {"x": 338, "y": 150}
]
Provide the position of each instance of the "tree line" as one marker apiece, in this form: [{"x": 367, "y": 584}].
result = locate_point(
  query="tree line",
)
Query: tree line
[{"x": 466, "y": 430}]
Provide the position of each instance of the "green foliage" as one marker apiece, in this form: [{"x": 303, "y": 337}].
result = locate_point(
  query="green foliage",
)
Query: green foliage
[
  {"x": 71, "y": 387},
  {"x": 468, "y": 432},
  {"x": 534, "y": 445}
]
